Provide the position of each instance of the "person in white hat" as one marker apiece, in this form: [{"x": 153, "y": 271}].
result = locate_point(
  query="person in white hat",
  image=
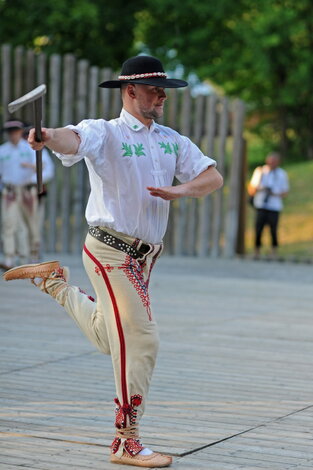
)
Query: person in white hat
[{"x": 132, "y": 162}]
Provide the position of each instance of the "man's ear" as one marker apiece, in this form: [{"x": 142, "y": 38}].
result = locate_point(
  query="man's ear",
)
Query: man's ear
[{"x": 131, "y": 91}]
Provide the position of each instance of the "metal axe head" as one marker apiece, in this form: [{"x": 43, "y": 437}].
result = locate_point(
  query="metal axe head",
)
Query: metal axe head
[{"x": 28, "y": 98}]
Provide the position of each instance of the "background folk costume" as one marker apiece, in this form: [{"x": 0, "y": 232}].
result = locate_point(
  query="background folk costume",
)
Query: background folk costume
[
  {"x": 20, "y": 215},
  {"x": 127, "y": 225}
]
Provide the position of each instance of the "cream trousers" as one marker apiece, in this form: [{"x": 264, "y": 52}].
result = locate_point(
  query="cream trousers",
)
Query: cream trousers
[
  {"x": 120, "y": 321},
  {"x": 20, "y": 222}
]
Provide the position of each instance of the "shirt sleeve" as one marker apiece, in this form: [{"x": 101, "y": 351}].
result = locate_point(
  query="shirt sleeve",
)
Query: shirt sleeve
[
  {"x": 190, "y": 161},
  {"x": 285, "y": 182},
  {"x": 92, "y": 135},
  {"x": 256, "y": 177}
]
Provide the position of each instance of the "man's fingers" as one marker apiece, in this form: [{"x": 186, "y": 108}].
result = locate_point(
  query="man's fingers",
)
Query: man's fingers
[{"x": 32, "y": 141}]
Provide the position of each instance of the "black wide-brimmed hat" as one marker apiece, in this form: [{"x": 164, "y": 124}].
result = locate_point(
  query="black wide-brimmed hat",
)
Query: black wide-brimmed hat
[{"x": 145, "y": 70}]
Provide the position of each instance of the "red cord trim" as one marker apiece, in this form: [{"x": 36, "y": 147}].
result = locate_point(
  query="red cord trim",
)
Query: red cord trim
[{"x": 118, "y": 324}]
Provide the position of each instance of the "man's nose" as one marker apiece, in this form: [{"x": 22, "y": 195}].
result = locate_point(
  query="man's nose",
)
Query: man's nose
[{"x": 162, "y": 94}]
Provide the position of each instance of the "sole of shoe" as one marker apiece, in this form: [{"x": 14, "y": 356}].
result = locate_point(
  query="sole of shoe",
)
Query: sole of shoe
[
  {"x": 143, "y": 463},
  {"x": 19, "y": 272}
]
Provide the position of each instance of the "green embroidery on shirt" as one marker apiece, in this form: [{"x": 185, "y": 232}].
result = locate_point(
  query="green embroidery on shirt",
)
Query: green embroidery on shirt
[
  {"x": 135, "y": 126},
  {"x": 166, "y": 147},
  {"x": 175, "y": 148},
  {"x": 127, "y": 150},
  {"x": 139, "y": 150}
]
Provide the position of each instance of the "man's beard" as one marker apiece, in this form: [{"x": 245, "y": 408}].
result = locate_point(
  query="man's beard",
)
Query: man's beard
[{"x": 152, "y": 114}]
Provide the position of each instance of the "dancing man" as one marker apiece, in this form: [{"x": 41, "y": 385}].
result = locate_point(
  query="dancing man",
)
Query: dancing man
[{"x": 132, "y": 162}]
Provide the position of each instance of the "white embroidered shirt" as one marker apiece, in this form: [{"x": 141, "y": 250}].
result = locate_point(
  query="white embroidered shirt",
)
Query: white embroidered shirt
[{"x": 123, "y": 157}]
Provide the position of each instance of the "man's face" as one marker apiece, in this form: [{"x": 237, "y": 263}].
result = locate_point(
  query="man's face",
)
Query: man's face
[
  {"x": 15, "y": 136},
  {"x": 272, "y": 161},
  {"x": 150, "y": 100}
]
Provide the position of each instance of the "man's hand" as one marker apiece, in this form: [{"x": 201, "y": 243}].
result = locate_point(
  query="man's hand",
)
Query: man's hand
[
  {"x": 45, "y": 137},
  {"x": 205, "y": 183},
  {"x": 28, "y": 165},
  {"x": 167, "y": 192}
]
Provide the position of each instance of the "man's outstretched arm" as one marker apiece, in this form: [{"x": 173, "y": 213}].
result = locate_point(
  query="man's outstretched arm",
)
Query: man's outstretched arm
[
  {"x": 61, "y": 140},
  {"x": 205, "y": 183}
]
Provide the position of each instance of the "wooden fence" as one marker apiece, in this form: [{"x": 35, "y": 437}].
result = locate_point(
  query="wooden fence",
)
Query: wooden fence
[{"x": 211, "y": 226}]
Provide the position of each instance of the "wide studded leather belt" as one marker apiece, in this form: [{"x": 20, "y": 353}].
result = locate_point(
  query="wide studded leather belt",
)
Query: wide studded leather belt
[{"x": 115, "y": 242}]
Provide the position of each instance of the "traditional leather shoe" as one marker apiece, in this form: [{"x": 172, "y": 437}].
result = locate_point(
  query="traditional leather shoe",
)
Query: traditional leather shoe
[
  {"x": 31, "y": 271},
  {"x": 154, "y": 460}
]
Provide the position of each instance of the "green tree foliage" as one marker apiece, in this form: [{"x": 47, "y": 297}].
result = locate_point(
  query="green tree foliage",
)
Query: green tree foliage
[
  {"x": 99, "y": 31},
  {"x": 260, "y": 51}
]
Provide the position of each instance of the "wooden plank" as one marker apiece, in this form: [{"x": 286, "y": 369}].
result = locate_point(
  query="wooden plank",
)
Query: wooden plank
[
  {"x": 67, "y": 118},
  {"x": 6, "y": 80},
  {"x": 54, "y": 93},
  {"x": 54, "y": 90},
  {"x": 232, "y": 216},
  {"x": 105, "y": 94},
  {"x": 18, "y": 76},
  {"x": 218, "y": 199},
  {"x": 180, "y": 208},
  {"x": 30, "y": 83},
  {"x": 172, "y": 106},
  {"x": 205, "y": 211},
  {"x": 41, "y": 78},
  {"x": 193, "y": 203},
  {"x": 80, "y": 170},
  {"x": 93, "y": 93},
  {"x": 68, "y": 89}
]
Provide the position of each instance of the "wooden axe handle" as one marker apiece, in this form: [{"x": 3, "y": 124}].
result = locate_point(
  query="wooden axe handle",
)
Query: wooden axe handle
[{"x": 38, "y": 138}]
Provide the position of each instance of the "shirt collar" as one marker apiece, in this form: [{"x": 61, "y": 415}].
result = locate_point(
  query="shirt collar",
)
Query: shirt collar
[{"x": 134, "y": 124}]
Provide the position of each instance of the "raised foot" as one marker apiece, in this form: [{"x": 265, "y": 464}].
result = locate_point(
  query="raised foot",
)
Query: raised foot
[
  {"x": 31, "y": 271},
  {"x": 155, "y": 460}
]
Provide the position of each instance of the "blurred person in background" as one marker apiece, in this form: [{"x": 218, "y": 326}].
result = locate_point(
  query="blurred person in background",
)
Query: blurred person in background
[
  {"x": 19, "y": 199},
  {"x": 268, "y": 186}
]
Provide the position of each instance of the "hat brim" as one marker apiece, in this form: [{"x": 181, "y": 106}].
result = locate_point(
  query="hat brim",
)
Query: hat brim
[
  {"x": 157, "y": 81},
  {"x": 9, "y": 129}
]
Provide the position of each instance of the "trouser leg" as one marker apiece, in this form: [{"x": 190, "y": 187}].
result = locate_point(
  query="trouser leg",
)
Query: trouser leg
[
  {"x": 260, "y": 223},
  {"x": 9, "y": 220},
  {"x": 29, "y": 209},
  {"x": 273, "y": 223}
]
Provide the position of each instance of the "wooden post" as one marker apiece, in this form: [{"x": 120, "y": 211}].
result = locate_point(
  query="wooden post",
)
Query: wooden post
[
  {"x": 180, "y": 216},
  {"x": 6, "y": 80},
  {"x": 192, "y": 203},
  {"x": 240, "y": 243},
  {"x": 78, "y": 203},
  {"x": 105, "y": 94},
  {"x": 30, "y": 83},
  {"x": 232, "y": 216},
  {"x": 54, "y": 121},
  {"x": 18, "y": 77},
  {"x": 42, "y": 78},
  {"x": 93, "y": 92},
  {"x": 205, "y": 205},
  {"x": 218, "y": 199},
  {"x": 67, "y": 118}
]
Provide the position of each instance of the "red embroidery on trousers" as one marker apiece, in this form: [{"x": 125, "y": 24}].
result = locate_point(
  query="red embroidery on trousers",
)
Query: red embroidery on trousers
[{"x": 133, "y": 270}]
